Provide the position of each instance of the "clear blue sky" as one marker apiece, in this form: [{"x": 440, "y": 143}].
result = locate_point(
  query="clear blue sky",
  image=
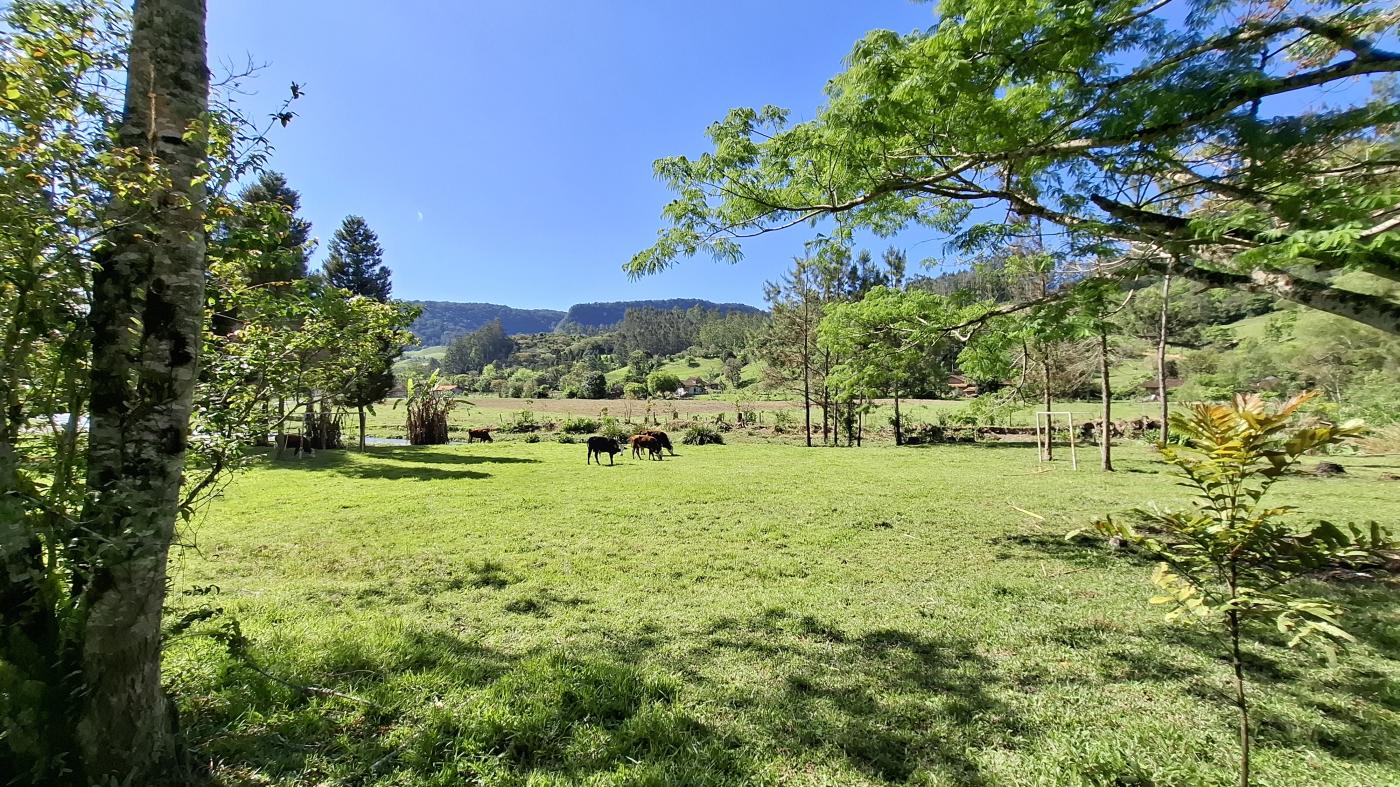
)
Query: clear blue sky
[{"x": 502, "y": 149}]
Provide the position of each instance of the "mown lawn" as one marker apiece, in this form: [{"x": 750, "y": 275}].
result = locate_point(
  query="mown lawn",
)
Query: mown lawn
[{"x": 740, "y": 614}]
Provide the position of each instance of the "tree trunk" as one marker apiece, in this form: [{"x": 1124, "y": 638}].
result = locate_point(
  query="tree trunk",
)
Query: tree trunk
[
  {"x": 1105, "y": 431},
  {"x": 1162, "y": 358},
  {"x": 860, "y": 423},
  {"x": 260, "y": 439},
  {"x": 362, "y": 427},
  {"x": 807, "y": 369},
  {"x": 147, "y": 315},
  {"x": 1049, "y": 451},
  {"x": 898, "y": 427},
  {"x": 807, "y": 400},
  {"x": 1241, "y": 700}
]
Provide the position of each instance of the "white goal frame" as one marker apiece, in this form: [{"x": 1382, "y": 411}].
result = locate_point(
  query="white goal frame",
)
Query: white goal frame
[{"x": 1040, "y": 447}]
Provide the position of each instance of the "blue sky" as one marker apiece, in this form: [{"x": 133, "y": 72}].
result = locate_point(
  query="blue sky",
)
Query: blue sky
[{"x": 502, "y": 149}]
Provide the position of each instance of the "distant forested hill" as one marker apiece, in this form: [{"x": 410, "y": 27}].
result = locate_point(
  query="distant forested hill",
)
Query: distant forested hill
[
  {"x": 442, "y": 321},
  {"x": 583, "y": 317}
]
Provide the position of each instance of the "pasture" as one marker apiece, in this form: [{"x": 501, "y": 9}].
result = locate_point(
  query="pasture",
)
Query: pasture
[
  {"x": 753, "y": 613},
  {"x": 487, "y": 410}
]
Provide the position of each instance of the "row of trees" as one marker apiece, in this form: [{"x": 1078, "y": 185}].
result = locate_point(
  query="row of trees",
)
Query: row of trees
[{"x": 139, "y": 297}]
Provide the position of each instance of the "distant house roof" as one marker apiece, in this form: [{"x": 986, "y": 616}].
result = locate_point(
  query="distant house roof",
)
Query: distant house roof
[
  {"x": 959, "y": 381},
  {"x": 446, "y": 388},
  {"x": 692, "y": 382}
]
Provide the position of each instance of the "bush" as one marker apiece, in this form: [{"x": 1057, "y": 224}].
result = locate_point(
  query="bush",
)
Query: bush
[
  {"x": 635, "y": 390},
  {"x": 595, "y": 386},
  {"x": 702, "y": 434},
  {"x": 615, "y": 429},
  {"x": 580, "y": 426},
  {"x": 523, "y": 421},
  {"x": 783, "y": 422},
  {"x": 567, "y": 439},
  {"x": 532, "y": 437},
  {"x": 663, "y": 383}
]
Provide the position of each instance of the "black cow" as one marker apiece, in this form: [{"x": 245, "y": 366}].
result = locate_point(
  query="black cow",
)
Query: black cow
[
  {"x": 597, "y": 446},
  {"x": 662, "y": 438}
]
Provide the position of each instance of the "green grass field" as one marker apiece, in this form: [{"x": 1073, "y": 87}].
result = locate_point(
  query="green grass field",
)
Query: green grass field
[
  {"x": 735, "y": 615},
  {"x": 486, "y": 410}
]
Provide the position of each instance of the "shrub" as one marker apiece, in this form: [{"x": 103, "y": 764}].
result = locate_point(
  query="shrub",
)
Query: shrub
[
  {"x": 616, "y": 429},
  {"x": 702, "y": 434},
  {"x": 567, "y": 439},
  {"x": 580, "y": 426},
  {"x": 663, "y": 383},
  {"x": 533, "y": 437},
  {"x": 635, "y": 390},
  {"x": 783, "y": 422},
  {"x": 521, "y": 422},
  {"x": 1226, "y": 560}
]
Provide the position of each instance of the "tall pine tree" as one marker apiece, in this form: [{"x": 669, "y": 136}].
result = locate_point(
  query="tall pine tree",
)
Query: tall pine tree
[
  {"x": 282, "y": 255},
  {"x": 356, "y": 261}
]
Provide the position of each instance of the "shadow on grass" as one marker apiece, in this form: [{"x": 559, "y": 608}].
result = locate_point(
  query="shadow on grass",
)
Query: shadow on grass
[
  {"x": 1350, "y": 711},
  {"x": 420, "y": 463},
  {"x": 433, "y": 709},
  {"x": 891, "y": 706},
  {"x": 894, "y": 705}
]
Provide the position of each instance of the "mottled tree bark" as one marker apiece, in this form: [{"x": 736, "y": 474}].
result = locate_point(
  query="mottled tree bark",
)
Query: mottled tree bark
[{"x": 147, "y": 314}]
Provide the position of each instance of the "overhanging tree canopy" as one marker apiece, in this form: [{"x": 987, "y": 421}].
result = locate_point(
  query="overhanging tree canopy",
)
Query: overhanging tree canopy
[{"x": 1249, "y": 146}]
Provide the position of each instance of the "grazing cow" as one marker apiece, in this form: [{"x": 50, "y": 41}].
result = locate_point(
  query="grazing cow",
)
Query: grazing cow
[
  {"x": 662, "y": 438},
  {"x": 648, "y": 443},
  {"x": 484, "y": 435},
  {"x": 597, "y": 446},
  {"x": 298, "y": 443}
]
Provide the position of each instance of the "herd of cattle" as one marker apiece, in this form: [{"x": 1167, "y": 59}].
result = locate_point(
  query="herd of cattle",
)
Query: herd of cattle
[{"x": 649, "y": 441}]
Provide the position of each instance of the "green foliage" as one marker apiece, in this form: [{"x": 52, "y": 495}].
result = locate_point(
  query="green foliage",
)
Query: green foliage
[
  {"x": 635, "y": 390},
  {"x": 1230, "y": 559},
  {"x": 1076, "y": 117},
  {"x": 1232, "y": 554},
  {"x": 279, "y": 256},
  {"x": 580, "y": 426},
  {"x": 593, "y": 386},
  {"x": 663, "y": 384},
  {"x": 701, "y": 434},
  {"x": 356, "y": 261},
  {"x": 617, "y": 430},
  {"x": 427, "y": 410},
  {"x": 443, "y": 321},
  {"x": 474, "y": 351},
  {"x": 523, "y": 422}
]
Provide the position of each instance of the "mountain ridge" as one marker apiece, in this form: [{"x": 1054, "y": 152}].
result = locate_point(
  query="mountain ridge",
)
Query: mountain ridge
[{"x": 442, "y": 321}]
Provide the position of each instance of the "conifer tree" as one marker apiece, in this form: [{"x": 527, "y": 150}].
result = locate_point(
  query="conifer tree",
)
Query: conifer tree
[
  {"x": 285, "y": 257},
  {"x": 356, "y": 261}
]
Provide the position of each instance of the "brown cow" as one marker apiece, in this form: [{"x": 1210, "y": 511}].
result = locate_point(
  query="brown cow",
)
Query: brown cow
[
  {"x": 597, "y": 446},
  {"x": 484, "y": 435},
  {"x": 662, "y": 438},
  {"x": 648, "y": 443}
]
